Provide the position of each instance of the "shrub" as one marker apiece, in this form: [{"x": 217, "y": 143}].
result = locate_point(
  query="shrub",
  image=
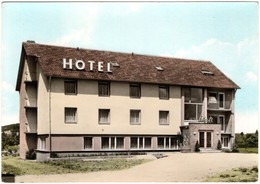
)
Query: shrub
[
  {"x": 30, "y": 155},
  {"x": 54, "y": 155},
  {"x": 219, "y": 145},
  {"x": 234, "y": 149},
  {"x": 197, "y": 147}
]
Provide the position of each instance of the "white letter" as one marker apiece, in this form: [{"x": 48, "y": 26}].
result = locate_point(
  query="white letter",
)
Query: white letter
[
  {"x": 91, "y": 65},
  {"x": 100, "y": 66},
  {"x": 78, "y": 63},
  {"x": 65, "y": 63},
  {"x": 109, "y": 67}
]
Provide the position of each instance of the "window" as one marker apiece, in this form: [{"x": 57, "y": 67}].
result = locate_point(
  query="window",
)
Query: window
[
  {"x": 42, "y": 143},
  {"x": 112, "y": 143},
  {"x": 135, "y": 90},
  {"x": 70, "y": 115},
  {"x": 164, "y": 92},
  {"x": 135, "y": 117},
  {"x": 167, "y": 143},
  {"x": 216, "y": 100},
  {"x": 70, "y": 87},
  {"x": 192, "y": 111},
  {"x": 221, "y": 98},
  {"x": 103, "y": 88},
  {"x": 88, "y": 142},
  {"x": 193, "y": 98},
  {"x": 193, "y": 95},
  {"x": 164, "y": 117},
  {"x": 225, "y": 141},
  {"x": 103, "y": 116},
  {"x": 141, "y": 143}
]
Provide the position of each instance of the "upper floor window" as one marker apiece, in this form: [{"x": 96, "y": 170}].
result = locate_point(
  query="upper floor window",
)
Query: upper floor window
[
  {"x": 103, "y": 88},
  {"x": 104, "y": 116},
  {"x": 163, "y": 92},
  {"x": 193, "y": 98},
  {"x": 135, "y": 117},
  {"x": 216, "y": 100},
  {"x": 135, "y": 90},
  {"x": 70, "y": 87},
  {"x": 70, "y": 115},
  {"x": 164, "y": 117},
  {"x": 193, "y": 95}
]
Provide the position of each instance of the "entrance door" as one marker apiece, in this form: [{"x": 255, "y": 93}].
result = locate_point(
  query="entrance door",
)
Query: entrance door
[
  {"x": 208, "y": 139},
  {"x": 202, "y": 140},
  {"x": 205, "y": 139}
]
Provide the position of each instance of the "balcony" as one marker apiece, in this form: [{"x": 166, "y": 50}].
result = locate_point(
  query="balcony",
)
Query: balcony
[
  {"x": 30, "y": 77},
  {"x": 31, "y": 123}
]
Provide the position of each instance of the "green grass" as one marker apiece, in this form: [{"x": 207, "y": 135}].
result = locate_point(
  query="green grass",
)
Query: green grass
[
  {"x": 248, "y": 150},
  {"x": 17, "y": 166},
  {"x": 236, "y": 175}
]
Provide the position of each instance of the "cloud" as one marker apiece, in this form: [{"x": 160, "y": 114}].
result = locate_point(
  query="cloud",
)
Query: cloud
[
  {"x": 7, "y": 87},
  {"x": 246, "y": 121},
  {"x": 79, "y": 28},
  {"x": 250, "y": 76},
  {"x": 133, "y": 8},
  {"x": 9, "y": 119}
]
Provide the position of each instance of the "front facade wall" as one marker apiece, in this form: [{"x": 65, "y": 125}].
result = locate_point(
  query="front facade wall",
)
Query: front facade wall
[
  {"x": 45, "y": 115},
  {"x": 119, "y": 103}
]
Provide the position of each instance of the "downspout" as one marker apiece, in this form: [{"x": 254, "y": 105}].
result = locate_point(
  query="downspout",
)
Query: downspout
[{"x": 50, "y": 113}]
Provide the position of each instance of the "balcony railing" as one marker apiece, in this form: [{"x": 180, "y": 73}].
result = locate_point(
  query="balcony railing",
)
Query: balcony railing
[{"x": 217, "y": 106}]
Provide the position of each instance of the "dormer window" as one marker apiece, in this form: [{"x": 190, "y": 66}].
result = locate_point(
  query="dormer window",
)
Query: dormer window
[
  {"x": 115, "y": 64},
  {"x": 206, "y": 72},
  {"x": 158, "y": 68}
]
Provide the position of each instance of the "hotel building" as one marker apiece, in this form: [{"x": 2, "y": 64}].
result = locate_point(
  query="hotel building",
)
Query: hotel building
[{"x": 82, "y": 101}]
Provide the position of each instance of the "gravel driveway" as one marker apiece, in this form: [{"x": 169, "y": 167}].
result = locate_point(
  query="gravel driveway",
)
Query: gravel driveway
[{"x": 177, "y": 167}]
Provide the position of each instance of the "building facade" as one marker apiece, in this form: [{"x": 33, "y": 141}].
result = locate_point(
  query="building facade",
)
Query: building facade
[{"x": 76, "y": 100}]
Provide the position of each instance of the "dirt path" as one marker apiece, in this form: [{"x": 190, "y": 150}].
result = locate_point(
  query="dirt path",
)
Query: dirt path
[{"x": 177, "y": 167}]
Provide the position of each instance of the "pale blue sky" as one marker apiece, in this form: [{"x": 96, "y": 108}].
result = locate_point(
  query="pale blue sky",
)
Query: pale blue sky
[{"x": 224, "y": 33}]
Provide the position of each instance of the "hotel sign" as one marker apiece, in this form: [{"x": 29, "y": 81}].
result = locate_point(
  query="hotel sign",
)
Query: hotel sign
[{"x": 81, "y": 65}]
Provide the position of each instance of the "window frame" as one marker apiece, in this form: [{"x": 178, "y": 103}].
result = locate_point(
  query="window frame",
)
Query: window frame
[
  {"x": 84, "y": 143},
  {"x": 104, "y": 83},
  {"x": 190, "y": 102},
  {"x": 113, "y": 143},
  {"x": 218, "y": 93},
  {"x": 166, "y": 87},
  {"x": 76, "y": 115},
  {"x": 99, "y": 117},
  {"x": 139, "y": 117},
  {"x": 168, "y": 117},
  {"x": 66, "y": 81},
  {"x": 131, "y": 85},
  {"x": 141, "y": 143}
]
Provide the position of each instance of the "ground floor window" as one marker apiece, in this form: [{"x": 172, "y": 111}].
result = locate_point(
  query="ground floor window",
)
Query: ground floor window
[
  {"x": 141, "y": 142},
  {"x": 167, "y": 143},
  {"x": 42, "y": 143},
  {"x": 112, "y": 143},
  {"x": 88, "y": 142},
  {"x": 225, "y": 142}
]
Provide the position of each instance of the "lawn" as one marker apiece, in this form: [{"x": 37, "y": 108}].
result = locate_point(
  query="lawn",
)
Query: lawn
[
  {"x": 236, "y": 175},
  {"x": 248, "y": 150},
  {"x": 17, "y": 166}
]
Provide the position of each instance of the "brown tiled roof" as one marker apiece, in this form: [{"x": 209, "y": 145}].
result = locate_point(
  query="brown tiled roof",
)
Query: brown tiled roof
[{"x": 133, "y": 67}]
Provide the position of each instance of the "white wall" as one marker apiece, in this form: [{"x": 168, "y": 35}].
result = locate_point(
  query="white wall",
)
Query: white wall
[{"x": 88, "y": 102}]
